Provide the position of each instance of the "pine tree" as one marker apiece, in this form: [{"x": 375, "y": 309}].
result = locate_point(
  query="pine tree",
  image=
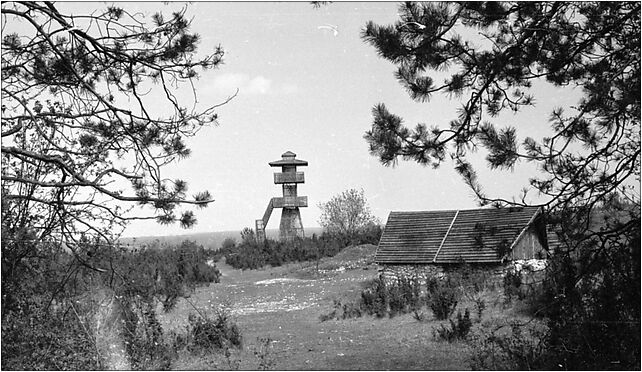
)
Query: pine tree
[
  {"x": 589, "y": 164},
  {"x": 81, "y": 142}
]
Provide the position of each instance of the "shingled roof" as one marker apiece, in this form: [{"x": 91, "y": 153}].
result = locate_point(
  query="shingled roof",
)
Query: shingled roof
[{"x": 451, "y": 236}]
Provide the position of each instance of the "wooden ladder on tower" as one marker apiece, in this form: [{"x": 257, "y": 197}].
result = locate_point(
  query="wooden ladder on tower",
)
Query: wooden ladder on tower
[{"x": 260, "y": 224}]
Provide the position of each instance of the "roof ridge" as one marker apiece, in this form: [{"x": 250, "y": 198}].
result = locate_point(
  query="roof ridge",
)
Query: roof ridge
[
  {"x": 466, "y": 210},
  {"x": 445, "y": 236}
]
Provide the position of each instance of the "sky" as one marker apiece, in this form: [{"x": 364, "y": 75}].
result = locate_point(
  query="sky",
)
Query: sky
[{"x": 306, "y": 89}]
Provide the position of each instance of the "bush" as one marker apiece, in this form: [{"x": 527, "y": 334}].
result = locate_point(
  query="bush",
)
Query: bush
[
  {"x": 251, "y": 254},
  {"x": 400, "y": 297},
  {"x": 42, "y": 340},
  {"x": 48, "y": 310},
  {"x": 343, "y": 310},
  {"x": 219, "y": 333},
  {"x": 513, "y": 286},
  {"x": 369, "y": 234},
  {"x": 143, "y": 335},
  {"x": 403, "y": 297},
  {"x": 456, "y": 331},
  {"x": 380, "y": 298},
  {"x": 523, "y": 347},
  {"x": 374, "y": 298},
  {"x": 593, "y": 306},
  {"x": 442, "y": 297},
  {"x": 43, "y": 328},
  {"x": 329, "y": 316}
]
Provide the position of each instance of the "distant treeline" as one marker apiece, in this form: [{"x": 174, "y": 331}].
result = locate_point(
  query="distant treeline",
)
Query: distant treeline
[
  {"x": 209, "y": 240},
  {"x": 254, "y": 254}
]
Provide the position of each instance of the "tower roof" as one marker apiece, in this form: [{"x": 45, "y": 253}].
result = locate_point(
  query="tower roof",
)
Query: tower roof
[{"x": 288, "y": 158}]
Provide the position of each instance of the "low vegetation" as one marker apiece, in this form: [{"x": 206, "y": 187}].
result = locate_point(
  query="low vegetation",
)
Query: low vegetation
[
  {"x": 58, "y": 310},
  {"x": 456, "y": 330},
  {"x": 253, "y": 254},
  {"x": 389, "y": 298},
  {"x": 205, "y": 334}
]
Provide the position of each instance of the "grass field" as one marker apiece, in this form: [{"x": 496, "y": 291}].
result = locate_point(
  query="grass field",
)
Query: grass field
[{"x": 285, "y": 303}]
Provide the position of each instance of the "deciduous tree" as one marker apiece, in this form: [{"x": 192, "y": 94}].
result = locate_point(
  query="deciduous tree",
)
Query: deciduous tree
[{"x": 346, "y": 213}]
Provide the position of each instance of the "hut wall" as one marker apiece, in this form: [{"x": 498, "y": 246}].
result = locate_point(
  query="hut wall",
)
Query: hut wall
[
  {"x": 531, "y": 270},
  {"x": 391, "y": 272},
  {"x": 529, "y": 247}
]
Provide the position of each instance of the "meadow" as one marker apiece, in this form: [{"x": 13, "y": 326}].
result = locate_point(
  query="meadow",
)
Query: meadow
[{"x": 284, "y": 305}]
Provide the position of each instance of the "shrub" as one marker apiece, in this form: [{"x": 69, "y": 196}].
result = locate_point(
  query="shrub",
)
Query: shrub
[
  {"x": 343, "y": 310},
  {"x": 400, "y": 297},
  {"x": 43, "y": 328},
  {"x": 48, "y": 314},
  {"x": 523, "y": 347},
  {"x": 219, "y": 333},
  {"x": 39, "y": 340},
  {"x": 456, "y": 331},
  {"x": 474, "y": 294},
  {"x": 396, "y": 300},
  {"x": 351, "y": 310},
  {"x": 375, "y": 298},
  {"x": 480, "y": 306},
  {"x": 513, "y": 286},
  {"x": 369, "y": 234},
  {"x": 329, "y": 316},
  {"x": 250, "y": 254},
  {"x": 442, "y": 297},
  {"x": 227, "y": 247},
  {"x": 143, "y": 335},
  {"x": 593, "y": 304},
  {"x": 379, "y": 299}
]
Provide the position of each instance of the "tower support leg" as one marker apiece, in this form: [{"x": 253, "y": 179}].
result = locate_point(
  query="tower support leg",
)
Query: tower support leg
[{"x": 291, "y": 226}]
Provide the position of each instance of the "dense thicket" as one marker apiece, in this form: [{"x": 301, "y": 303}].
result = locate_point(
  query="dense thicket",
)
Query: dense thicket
[{"x": 50, "y": 303}]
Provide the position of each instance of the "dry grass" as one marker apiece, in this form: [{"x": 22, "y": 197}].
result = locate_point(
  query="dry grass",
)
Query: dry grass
[{"x": 277, "y": 303}]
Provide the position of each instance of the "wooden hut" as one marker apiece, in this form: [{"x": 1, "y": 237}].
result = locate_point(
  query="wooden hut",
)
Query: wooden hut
[{"x": 429, "y": 243}]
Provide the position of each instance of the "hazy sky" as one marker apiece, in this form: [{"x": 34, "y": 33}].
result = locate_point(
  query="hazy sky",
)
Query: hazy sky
[{"x": 304, "y": 89}]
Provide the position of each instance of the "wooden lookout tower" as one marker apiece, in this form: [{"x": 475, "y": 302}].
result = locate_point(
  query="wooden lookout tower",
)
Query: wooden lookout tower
[{"x": 291, "y": 226}]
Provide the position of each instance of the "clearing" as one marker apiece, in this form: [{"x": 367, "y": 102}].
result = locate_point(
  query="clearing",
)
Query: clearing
[{"x": 284, "y": 303}]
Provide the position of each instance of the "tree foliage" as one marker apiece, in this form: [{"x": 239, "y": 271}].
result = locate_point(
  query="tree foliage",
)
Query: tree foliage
[
  {"x": 589, "y": 164},
  {"x": 346, "y": 213},
  {"x": 594, "y": 46},
  {"x": 90, "y": 115},
  {"x": 492, "y": 55}
]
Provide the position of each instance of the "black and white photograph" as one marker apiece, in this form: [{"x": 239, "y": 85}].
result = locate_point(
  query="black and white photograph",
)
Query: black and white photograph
[{"x": 325, "y": 185}]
